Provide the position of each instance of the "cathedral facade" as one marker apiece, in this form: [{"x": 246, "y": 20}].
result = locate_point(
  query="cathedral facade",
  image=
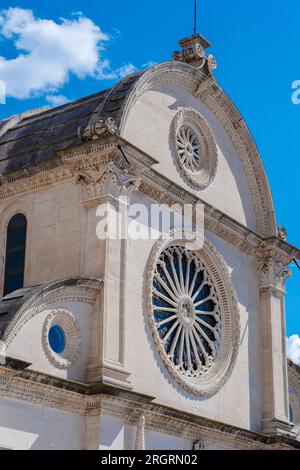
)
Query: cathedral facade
[{"x": 123, "y": 330}]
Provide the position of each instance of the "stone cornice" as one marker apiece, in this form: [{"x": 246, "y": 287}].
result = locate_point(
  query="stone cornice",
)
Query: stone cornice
[{"x": 39, "y": 388}]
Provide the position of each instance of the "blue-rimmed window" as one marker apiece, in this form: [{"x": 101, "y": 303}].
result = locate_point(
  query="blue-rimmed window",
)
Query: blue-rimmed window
[
  {"x": 15, "y": 254},
  {"x": 57, "y": 339}
]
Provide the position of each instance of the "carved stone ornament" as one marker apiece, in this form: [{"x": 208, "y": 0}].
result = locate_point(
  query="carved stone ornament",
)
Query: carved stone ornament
[
  {"x": 193, "y": 313},
  {"x": 110, "y": 180},
  {"x": 282, "y": 233},
  {"x": 194, "y": 147},
  {"x": 101, "y": 128},
  {"x": 193, "y": 53},
  {"x": 199, "y": 445},
  {"x": 67, "y": 322},
  {"x": 273, "y": 274}
]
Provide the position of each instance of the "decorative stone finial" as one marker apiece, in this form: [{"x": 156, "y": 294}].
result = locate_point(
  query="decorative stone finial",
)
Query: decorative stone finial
[{"x": 193, "y": 53}]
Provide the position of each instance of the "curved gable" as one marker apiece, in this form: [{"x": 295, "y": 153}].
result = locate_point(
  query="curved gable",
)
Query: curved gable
[{"x": 240, "y": 189}]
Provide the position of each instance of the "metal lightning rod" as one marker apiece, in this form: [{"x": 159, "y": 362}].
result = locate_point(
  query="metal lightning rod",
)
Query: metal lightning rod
[{"x": 195, "y": 18}]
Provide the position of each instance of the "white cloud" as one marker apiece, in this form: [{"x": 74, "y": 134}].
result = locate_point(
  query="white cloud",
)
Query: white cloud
[
  {"x": 57, "y": 100},
  {"x": 49, "y": 52},
  {"x": 293, "y": 348},
  {"x": 149, "y": 64},
  {"x": 116, "y": 74}
]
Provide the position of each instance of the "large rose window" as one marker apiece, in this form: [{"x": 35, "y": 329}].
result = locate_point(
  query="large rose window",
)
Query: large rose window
[
  {"x": 193, "y": 313},
  {"x": 186, "y": 311}
]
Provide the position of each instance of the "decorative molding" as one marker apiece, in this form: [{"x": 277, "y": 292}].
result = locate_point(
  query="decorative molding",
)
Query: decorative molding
[
  {"x": 36, "y": 389},
  {"x": 34, "y": 179},
  {"x": 190, "y": 129},
  {"x": 210, "y": 382},
  {"x": 68, "y": 323},
  {"x": 177, "y": 423}
]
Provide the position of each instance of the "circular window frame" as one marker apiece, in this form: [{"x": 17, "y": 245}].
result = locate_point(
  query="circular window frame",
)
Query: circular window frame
[
  {"x": 211, "y": 382},
  {"x": 191, "y": 119},
  {"x": 65, "y": 320}
]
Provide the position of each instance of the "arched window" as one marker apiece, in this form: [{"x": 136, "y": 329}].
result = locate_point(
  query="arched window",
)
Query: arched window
[{"x": 15, "y": 254}]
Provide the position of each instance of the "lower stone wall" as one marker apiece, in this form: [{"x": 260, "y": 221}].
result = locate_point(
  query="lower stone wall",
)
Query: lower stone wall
[{"x": 25, "y": 426}]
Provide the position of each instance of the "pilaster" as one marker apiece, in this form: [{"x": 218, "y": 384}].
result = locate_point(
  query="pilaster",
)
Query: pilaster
[
  {"x": 272, "y": 279},
  {"x": 105, "y": 194}
]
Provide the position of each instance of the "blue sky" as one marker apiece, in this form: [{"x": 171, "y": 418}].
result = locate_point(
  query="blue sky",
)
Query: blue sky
[{"x": 256, "y": 44}]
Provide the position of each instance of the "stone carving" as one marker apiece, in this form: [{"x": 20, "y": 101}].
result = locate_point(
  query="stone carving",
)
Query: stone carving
[
  {"x": 282, "y": 233},
  {"x": 193, "y": 53},
  {"x": 111, "y": 180},
  {"x": 214, "y": 377},
  {"x": 273, "y": 274},
  {"x": 194, "y": 147},
  {"x": 101, "y": 128},
  {"x": 199, "y": 445}
]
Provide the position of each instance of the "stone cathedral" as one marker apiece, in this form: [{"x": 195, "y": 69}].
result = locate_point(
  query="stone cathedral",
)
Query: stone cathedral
[{"x": 117, "y": 342}]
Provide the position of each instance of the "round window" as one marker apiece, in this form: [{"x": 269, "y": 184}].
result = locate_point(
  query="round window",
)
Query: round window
[
  {"x": 61, "y": 338},
  {"x": 194, "y": 148},
  {"x": 57, "y": 339},
  {"x": 189, "y": 150},
  {"x": 186, "y": 310},
  {"x": 193, "y": 312}
]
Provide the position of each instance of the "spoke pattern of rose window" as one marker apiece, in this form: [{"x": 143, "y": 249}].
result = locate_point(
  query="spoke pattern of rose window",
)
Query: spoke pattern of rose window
[
  {"x": 186, "y": 311},
  {"x": 188, "y": 150}
]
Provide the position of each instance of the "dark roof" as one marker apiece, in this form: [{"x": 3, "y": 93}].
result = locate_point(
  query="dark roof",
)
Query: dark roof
[
  {"x": 293, "y": 366},
  {"x": 12, "y": 303},
  {"x": 29, "y": 139}
]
